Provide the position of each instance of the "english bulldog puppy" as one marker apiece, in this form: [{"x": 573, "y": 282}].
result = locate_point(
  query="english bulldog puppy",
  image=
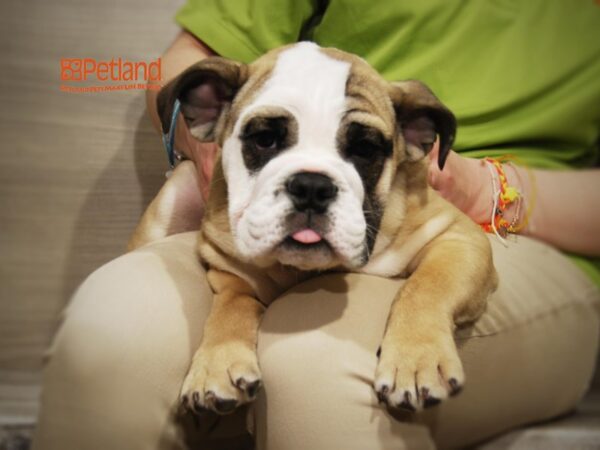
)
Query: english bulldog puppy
[{"x": 321, "y": 167}]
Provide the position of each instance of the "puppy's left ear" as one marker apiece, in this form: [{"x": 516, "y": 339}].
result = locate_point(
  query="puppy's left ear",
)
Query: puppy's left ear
[{"x": 421, "y": 117}]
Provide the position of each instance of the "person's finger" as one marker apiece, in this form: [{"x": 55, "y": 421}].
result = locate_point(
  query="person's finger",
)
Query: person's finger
[
  {"x": 435, "y": 151},
  {"x": 204, "y": 155},
  {"x": 434, "y": 175}
]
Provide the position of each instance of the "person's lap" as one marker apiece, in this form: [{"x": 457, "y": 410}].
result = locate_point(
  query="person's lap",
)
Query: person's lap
[{"x": 120, "y": 357}]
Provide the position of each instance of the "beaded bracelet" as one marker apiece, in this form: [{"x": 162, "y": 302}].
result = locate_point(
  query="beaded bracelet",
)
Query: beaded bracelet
[{"x": 504, "y": 195}]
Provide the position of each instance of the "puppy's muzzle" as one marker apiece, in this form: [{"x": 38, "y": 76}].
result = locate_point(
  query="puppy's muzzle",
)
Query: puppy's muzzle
[{"x": 311, "y": 192}]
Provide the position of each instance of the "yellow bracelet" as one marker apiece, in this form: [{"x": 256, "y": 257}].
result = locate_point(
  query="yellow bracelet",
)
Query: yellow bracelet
[{"x": 504, "y": 195}]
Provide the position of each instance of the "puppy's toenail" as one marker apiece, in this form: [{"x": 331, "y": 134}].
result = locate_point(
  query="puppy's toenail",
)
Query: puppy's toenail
[
  {"x": 196, "y": 406},
  {"x": 382, "y": 393},
  {"x": 252, "y": 388},
  {"x": 455, "y": 388},
  {"x": 225, "y": 406},
  {"x": 406, "y": 403},
  {"x": 249, "y": 388},
  {"x": 196, "y": 398},
  {"x": 427, "y": 399},
  {"x": 431, "y": 401}
]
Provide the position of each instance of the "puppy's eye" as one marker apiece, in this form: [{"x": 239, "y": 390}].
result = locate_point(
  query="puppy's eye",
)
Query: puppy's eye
[
  {"x": 362, "y": 148},
  {"x": 265, "y": 140}
]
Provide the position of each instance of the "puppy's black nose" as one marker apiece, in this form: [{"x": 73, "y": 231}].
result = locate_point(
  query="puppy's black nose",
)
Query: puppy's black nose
[{"x": 311, "y": 191}]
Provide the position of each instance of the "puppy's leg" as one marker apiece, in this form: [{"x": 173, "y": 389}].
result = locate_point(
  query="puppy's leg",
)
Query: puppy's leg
[
  {"x": 224, "y": 371},
  {"x": 177, "y": 207},
  {"x": 419, "y": 364}
]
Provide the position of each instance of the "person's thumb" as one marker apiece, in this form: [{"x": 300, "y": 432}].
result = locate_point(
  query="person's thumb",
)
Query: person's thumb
[{"x": 433, "y": 175}]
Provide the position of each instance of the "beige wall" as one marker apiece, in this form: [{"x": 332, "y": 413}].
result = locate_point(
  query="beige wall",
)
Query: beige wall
[{"x": 75, "y": 170}]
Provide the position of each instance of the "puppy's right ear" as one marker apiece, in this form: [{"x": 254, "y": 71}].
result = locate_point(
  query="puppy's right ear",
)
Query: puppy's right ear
[
  {"x": 421, "y": 117},
  {"x": 205, "y": 90}
]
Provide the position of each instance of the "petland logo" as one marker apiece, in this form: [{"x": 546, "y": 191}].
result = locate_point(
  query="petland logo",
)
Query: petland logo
[{"x": 116, "y": 75}]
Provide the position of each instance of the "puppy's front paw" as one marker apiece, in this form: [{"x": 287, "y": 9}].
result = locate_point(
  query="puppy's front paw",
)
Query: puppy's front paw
[
  {"x": 418, "y": 370},
  {"x": 221, "y": 378}
]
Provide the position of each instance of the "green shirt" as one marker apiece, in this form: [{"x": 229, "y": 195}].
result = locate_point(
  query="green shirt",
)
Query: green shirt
[{"x": 521, "y": 76}]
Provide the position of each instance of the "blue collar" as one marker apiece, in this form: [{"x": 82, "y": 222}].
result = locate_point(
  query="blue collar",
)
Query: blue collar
[{"x": 169, "y": 138}]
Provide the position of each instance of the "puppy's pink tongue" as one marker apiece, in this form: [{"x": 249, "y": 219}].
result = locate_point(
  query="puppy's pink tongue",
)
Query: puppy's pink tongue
[{"x": 306, "y": 236}]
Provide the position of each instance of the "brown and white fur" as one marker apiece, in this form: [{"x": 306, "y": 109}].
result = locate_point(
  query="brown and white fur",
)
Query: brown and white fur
[{"x": 303, "y": 109}]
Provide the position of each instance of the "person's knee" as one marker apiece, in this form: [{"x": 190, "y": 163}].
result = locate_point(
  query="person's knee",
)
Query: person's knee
[
  {"x": 109, "y": 329},
  {"x": 305, "y": 380},
  {"x": 137, "y": 310},
  {"x": 317, "y": 352},
  {"x": 326, "y": 327},
  {"x": 124, "y": 347}
]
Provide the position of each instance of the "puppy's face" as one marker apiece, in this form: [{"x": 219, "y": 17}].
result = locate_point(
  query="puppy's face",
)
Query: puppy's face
[{"x": 311, "y": 140}]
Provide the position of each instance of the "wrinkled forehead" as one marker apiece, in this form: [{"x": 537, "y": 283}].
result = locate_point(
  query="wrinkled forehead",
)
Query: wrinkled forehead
[
  {"x": 306, "y": 81},
  {"x": 319, "y": 87}
]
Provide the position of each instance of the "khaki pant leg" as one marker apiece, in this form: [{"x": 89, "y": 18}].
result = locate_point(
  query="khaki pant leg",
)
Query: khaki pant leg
[
  {"x": 530, "y": 357},
  {"x": 116, "y": 367}
]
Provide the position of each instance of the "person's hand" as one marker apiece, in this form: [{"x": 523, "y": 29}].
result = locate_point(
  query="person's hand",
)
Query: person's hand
[
  {"x": 204, "y": 157},
  {"x": 203, "y": 154},
  {"x": 464, "y": 182}
]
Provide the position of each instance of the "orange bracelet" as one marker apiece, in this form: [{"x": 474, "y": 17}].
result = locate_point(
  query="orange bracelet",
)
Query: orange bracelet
[{"x": 504, "y": 195}]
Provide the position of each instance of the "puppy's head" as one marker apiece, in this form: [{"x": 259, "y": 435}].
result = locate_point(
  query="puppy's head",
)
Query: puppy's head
[{"x": 311, "y": 140}]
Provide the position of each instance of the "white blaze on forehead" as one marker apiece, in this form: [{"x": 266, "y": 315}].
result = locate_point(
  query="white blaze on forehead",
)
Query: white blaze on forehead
[{"x": 312, "y": 86}]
